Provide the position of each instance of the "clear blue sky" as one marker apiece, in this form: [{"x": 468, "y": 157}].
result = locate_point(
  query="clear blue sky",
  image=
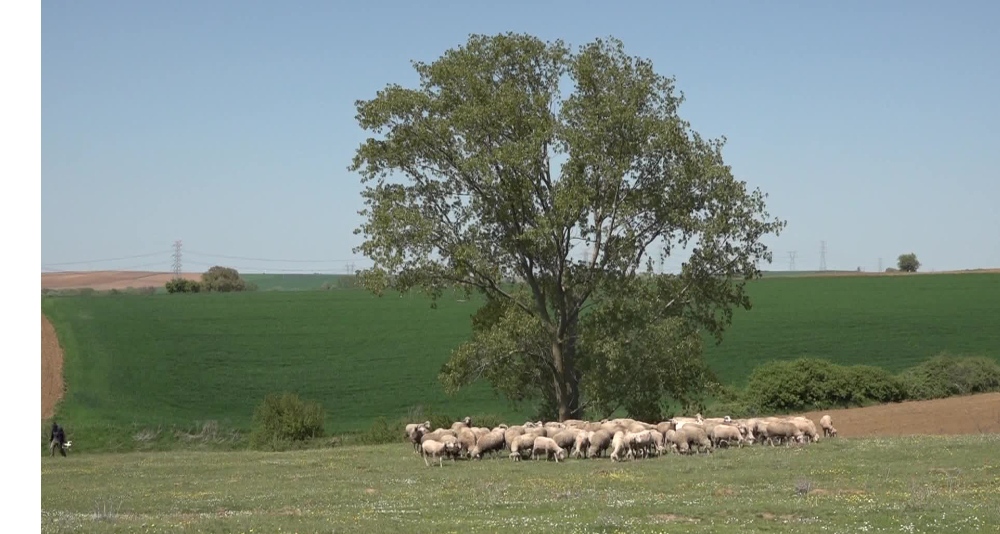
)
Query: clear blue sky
[{"x": 230, "y": 125}]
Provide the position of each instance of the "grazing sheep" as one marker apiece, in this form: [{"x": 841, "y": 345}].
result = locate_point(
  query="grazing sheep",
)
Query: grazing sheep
[
  {"x": 807, "y": 427},
  {"x": 782, "y": 432},
  {"x": 467, "y": 439},
  {"x": 600, "y": 440},
  {"x": 492, "y": 442},
  {"x": 677, "y": 441},
  {"x": 522, "y": 446},
  {"x": 618, "y": 445},
  {"x": 511, "y": 433},
  {"x": 696, "y": 437},
  {"x": 581, "y": 444},
  {"x": 549, "y": 447},
  {"x": 639, "y": 443},
  {"x": 826, "y": 423},
  {"x": 434, "y": 449},
  {"x": 566, "y": 438},
  {"x": 726, "y": 433}
]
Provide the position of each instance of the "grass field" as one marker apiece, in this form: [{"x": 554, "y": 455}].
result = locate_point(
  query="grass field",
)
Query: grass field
[
  {"x": 919, "y": 484},
  {"x": 141, "y": 361},
  {"x": 297, "y": 282}
]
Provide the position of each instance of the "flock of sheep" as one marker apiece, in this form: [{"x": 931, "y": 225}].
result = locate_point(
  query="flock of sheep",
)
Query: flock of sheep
[{"x": 626, "y": 439}]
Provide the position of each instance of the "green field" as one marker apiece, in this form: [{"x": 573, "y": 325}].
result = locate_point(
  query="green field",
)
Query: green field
[
  {"x": 137, "y": 362},
  {"x": 920, "y": 484},
  {"x": 298, "y": 282}
]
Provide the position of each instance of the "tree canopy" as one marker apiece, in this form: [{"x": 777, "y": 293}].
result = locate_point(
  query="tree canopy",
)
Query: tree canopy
[
  {"x": 908, "y": 263},
  {"x": 491, "y": 175}
]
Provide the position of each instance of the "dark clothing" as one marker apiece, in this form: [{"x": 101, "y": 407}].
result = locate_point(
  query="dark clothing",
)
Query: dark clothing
[
  {"x": 57, "y": 434},
  {"x": 57, "y": 439}
]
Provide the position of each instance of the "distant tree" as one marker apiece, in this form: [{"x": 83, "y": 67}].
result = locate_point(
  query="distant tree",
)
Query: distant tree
[
  {"x": 908, "y": 263},
  {"x": 463, "y": 188},
  {"x": 224, "y": 280}
]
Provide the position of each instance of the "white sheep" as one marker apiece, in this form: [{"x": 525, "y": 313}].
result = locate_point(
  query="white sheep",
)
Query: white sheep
[
  {"x": 726, "y": 433},
  {"x": 549, "y": 447},
  {"x": 600, "y": 440},
  {"x": 522, "y": 446},
  {"x": 434, "y": 449},
  {"x": 826, "y": 423},
  {"x": 581, "y": 444},
  {"x": 492, "y": 442},
  {"x": 618, "y": 445}
]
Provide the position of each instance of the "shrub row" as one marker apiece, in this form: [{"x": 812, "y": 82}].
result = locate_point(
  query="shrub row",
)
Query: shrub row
[
  {"x": 285, "y": 421},
  {"x": 816, "y": 384}
]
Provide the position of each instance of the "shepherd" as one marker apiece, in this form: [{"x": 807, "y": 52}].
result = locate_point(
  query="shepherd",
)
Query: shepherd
[{"x": 57, "y": 438}]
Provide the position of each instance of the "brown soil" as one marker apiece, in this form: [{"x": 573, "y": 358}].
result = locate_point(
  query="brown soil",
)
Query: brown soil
[
  {"x": 52, "y": 367},
  {"x": 971, "y": 414},
  {"x": 104, "y": 280}
]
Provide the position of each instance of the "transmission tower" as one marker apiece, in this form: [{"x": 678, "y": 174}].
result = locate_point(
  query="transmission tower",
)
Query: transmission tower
[
  {"x": 880, "y": 265},
  {"x": 177, "y": 258},
  {"x": 822, "y": 255},
  {"x": 791, "y": 260}
]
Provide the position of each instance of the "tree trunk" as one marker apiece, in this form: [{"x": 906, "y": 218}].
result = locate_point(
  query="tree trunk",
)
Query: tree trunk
[{"x": 566, "y": 380}]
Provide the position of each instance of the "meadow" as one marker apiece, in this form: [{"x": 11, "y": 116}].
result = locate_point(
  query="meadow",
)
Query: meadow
[
  {"x": 143, "y": 363},
  {"x": 912, "y": 484}
]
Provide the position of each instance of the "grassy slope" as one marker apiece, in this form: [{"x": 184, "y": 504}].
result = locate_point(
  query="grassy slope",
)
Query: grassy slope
[
  {"x": 920, "y": 484},
  {"x": 176, "y": 359}
]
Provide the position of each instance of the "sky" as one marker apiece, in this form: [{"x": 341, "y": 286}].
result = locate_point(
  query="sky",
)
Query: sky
[{"x": 230, "y": 125}]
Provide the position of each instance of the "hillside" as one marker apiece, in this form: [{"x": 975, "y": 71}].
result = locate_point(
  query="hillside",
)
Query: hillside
[{"x": 133, "y": 361}]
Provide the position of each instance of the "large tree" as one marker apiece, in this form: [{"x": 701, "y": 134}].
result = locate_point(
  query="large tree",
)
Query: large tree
[{"x": 492, "y": 176}]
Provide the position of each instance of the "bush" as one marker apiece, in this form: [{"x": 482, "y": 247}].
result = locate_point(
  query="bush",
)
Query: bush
[
  {"x": 381, "y": 432},
  {"x": 183, "y": 285},
  {"x": 867, "y": 384},
  {"x": 811, "y": 383},
  {"x": 946, "y": 375},
  {"x": 281, "y": 421}
]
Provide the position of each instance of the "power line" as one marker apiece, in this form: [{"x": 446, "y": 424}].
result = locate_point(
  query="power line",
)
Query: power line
[
  {"x": 196, "y": 253},
  {"x": 330, "y": 270},
  {"x": 108, "y": 259}
]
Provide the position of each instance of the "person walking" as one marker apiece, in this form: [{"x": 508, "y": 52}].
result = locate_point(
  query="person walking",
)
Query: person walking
[{"x": 57, "y": 438}]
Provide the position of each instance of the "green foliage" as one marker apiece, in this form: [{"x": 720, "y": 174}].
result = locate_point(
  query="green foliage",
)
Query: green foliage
[
  {"x": 636, "y": 364},
  {"x": 183, "y": 285},
  {"x": 481, "y": 203},
  {"x": 281, "y": 420},
  {"x": 224, "y": 280},
  {"x": 908, "y": 263},
  {"x": 381, "y": 432},
  {"x": 946, "y": 375},
  {"x": 812, "y": 383},
  {"x": 162, "y": 362}
]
